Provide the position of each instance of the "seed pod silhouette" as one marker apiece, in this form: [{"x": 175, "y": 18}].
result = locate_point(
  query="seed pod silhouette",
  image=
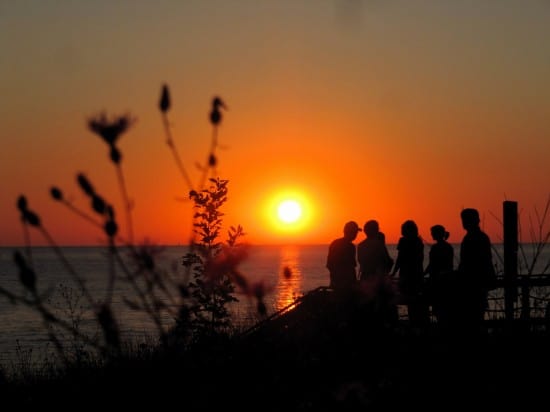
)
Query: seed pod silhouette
[
  {"x": 212, "y": 161},
  {"x": 111, "y": 228},
  {"x": 164, "y": 103},
  {"x": 215, "y": 114},
  {"x": 22, "y": 203},
  {"x": 26, "y": 274},
  {"x": 31, "y": 218},
  {"x": 85, "y": 184},
  {"x": 56, "y": 193},
  {"x": 98, "y": 204}
]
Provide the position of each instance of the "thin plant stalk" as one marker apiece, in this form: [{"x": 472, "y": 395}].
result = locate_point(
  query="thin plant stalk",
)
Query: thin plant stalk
[
  {"x": 172, "y": 146},
  {"x": 127, "y": 203}
]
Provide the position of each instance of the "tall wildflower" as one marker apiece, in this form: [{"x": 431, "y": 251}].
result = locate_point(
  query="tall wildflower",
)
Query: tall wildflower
[
  {"x": 110, "y": 130},
  {"x": 215, "y": 117},
  {"x": 164, "y": 105}
]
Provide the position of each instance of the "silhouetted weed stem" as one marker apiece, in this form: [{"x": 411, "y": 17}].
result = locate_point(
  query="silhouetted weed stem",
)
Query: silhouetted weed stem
[
  {"x": 215, "y": 120},
  {"x": 149, "y": 303},
  {"x": 58, "y": 195},
  {"x": 50, "y": 318},
  {"x": 30, "y": 218},
  {"x": 98, "y": 205},
  {"x": 164, "y": 106},
  {"x": 101, "y": 207},
  {"x": 529, "y": 264},
  {"x": 183, "y": 309},
  {"x": 58, "y": 345},
  {"x": 143, "y": 297},
  {"x": 28, "y": 277},
  {"x": 69, "y": 267},
  {"x": 110, "y": 130},
  {"x": 112, "y": 272},
  {"x": 539, "y": 238},
  {"x": 27, "y": 239},
  {"x": 127, "y": 203}
]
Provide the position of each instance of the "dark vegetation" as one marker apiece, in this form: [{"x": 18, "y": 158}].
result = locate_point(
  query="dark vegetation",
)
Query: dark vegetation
[
  {"x": 322, "y": 355},
  {"x": 316, "y": 357}
]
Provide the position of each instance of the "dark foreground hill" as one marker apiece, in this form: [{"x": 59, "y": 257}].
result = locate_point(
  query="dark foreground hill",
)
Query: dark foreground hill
[{"x": 318, "y": 357}]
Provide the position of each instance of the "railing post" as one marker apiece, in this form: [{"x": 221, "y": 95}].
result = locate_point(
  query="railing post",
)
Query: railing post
[{"x": 510, "y": 215}]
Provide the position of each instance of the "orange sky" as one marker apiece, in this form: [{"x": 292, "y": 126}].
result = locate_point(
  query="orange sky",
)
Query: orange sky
[{"x": 389, "y": 110}]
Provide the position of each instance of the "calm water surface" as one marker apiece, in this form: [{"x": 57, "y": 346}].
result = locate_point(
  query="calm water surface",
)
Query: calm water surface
[{"x": 21, "y": 326}]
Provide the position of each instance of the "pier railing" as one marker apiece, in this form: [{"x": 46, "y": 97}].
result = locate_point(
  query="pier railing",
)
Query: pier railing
[
  {"x": 528, "y": 295},
  {"x": 531, "y": 304}
]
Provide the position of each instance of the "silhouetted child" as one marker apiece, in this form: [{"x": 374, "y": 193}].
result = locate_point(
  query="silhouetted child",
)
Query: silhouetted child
[{"x": 440, "y": 274}]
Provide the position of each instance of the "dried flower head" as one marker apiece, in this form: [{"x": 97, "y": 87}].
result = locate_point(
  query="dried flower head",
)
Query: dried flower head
[
  {"x": 215, "y": 114},
  {"x": 56, "y": 193},
  {"x": 27, "y": 216},
  {"x": 85, "y": 184},
  {"x": 110, "y": 129},
  {"x": 164, "y": 103}
]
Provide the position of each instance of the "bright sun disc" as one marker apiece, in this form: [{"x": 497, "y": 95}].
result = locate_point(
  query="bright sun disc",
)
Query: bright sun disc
[{"x": 289, "y": 211}]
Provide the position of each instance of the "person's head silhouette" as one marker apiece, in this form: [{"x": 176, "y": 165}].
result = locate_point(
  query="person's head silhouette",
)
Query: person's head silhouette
[
  {"x": 470, "y": 218},
  {"x": 439, "y": 232},
  {"x": 409, "y": 229},
  {"x": 371, "y": 228},
  {"x": 351, "y": 229}
]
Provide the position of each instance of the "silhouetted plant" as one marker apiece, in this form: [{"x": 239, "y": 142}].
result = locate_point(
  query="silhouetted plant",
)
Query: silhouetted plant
[
  {"x": 212, "y": 160},
  {"x": 164, "y": 106},
  {"x": 197, "y": 307},
  {"x": 534, "y": 300},
  {"x": 110, "y": 130},
  {"x": 68, "y": 301},
  {"x": 539, "y": 234},
  {"x": 212, "y": 286}
]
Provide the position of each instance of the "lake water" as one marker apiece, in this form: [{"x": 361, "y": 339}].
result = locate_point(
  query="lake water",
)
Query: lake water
[{"x": 21, "y": 327}]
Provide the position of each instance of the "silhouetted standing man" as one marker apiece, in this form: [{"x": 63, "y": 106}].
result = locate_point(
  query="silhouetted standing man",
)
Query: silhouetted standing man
[
  {"x": 475, "y": 270},
  {"x": 341, "y": 260}
]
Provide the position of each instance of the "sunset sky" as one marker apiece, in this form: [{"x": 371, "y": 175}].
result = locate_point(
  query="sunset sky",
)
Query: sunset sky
[{"x": 387, "y": 110}]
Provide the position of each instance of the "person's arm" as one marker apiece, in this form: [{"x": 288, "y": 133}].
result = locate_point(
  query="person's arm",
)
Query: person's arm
[
  {"x": 397, "y": 265},
  {"x": 330, "y": 257}
]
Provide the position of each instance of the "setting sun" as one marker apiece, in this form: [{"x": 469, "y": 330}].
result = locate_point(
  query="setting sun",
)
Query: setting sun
[{"x": 289, "y": 211}]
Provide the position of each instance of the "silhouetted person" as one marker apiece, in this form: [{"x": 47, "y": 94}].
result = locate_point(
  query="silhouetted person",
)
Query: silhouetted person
[
  {"x": 372, "y": 254},
  {"x": 410, "y": 265},
  {"x": 341, "y": 260},
  {"x": 440, "y": 274},
  {"x": 376, "y": 289},
  {"x": 475, "y": 271}
]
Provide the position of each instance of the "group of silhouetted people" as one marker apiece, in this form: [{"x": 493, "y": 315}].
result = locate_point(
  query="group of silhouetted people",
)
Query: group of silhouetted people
[{"x": 367, "y": 274}]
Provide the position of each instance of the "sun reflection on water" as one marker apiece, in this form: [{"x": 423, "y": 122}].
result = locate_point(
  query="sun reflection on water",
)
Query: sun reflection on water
[{"x": 289, "y": 283}]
